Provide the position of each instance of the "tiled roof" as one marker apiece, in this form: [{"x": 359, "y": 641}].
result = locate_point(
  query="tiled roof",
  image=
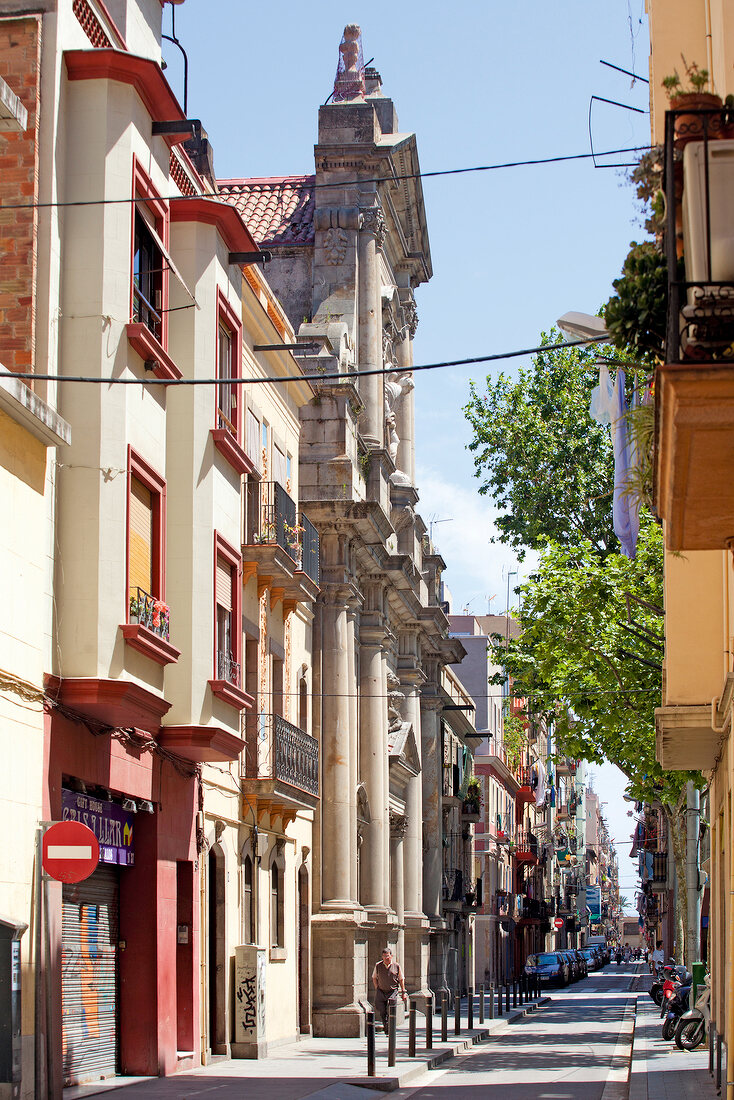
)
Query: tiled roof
[{"x": 277, "y": 210}]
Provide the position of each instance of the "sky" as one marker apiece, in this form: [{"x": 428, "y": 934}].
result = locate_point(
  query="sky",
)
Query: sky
[{"x": 480, "y": 82}]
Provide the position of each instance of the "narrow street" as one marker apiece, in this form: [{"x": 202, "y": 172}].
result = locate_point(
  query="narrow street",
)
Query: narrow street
[{"x": 576, "y": 1048}]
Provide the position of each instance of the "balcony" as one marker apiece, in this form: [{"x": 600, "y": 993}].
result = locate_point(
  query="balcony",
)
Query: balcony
[
  {"x": 694, "y": 443},
  {"x": 659, "y": 870},
  {"x": 282, "y": 545},
  {"x": 452, "y": 889},
  {"x": 228, "y": 684},
  {"x": 526, "y": 848},
  {"x": 281, "y": 765},
  {"x": 451, "y": 789},
  {"x": 525, "y": 779},
  {"x": 148, "y": 626},
  {"x": 565, "y": 766}
]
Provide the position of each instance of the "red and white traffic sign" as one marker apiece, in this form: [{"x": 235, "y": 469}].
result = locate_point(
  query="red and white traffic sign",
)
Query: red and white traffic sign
[
  {"x": 558, "y": 923},
  {"x": 70, "y": 851}
]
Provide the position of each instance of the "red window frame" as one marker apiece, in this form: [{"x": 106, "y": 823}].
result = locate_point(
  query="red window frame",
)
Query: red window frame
[
  {"x": 230, "y": 693},
  {"x": 144, "y": 472},
  {"x": 143, "y": 188},
  {"x": 230, "y": 443}
]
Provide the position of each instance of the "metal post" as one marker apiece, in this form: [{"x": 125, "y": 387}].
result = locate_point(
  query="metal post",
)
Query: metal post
[
  {"x": 491, "y": 1000},
  {"x": 507, "y": 996},
  {"x": 444, "y": 1015},
  {"x": 370, "y": 1044},
  {"x": 470, "y": 1010},
  {"x": 523, "y": 989},
  {"x": 392, "y": 1032},
  {"x": 717, "y": 1071},
  {"x": 514, "y": 993},
  {"x": 457, "y": 1013},
  {"x": 712, "y": 1033},
  {"x": 411, "y": 1029},
  {"x": 481, "y": 1004},
  {"x": 429, "y": 1022}
]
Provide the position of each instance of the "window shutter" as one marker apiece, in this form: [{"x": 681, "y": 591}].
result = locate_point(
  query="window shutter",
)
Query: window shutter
[
  {"x": 224, "y": 583},
  {"x": 253, "y": 439},
  {"x": 140, "y": 564},
  {"x": 279, "y": 467}
]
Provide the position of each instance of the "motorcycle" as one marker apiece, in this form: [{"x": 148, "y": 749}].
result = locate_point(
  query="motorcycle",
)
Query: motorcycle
[
  {"x": 677, "y": 1006},
  {"x": 693, "y": 1025},
  {"x": 661, "y": 974}
]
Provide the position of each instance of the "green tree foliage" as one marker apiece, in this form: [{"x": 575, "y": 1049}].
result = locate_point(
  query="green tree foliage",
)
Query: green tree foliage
[{"x": 544, "y": 462}]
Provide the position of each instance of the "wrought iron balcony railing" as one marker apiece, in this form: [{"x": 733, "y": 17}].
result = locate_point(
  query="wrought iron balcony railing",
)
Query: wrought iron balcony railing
[
  {"x": 149, "y": 611},
  {"x": 660, "y": 867},
  {"x": 286, "y": 753},
  {"x": 698, "y": 182},
  {"x": 453, "y": 885},
  {"x": 271, "y": 519},
  {"x": 228, "y": 669}
]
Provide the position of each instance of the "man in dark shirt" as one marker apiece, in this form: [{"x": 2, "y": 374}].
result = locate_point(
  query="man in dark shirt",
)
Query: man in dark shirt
[{"x": 387, "y": 978}]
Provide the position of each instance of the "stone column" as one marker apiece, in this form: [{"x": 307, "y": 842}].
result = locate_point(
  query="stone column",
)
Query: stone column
[
  {"x": 398, "y": 826},
  {"x": 353, "y": 742},
  {"x": 413, "y": 845},
  {"x": 373, "y": 752},
  {"x": 432, "y": 786},
  {"x": 371, "y": 238},
  {"x": 406, "y": 409}
]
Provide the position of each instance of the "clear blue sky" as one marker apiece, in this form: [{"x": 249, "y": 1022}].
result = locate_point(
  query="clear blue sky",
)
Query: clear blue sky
[{"x": 479, "y": 83}]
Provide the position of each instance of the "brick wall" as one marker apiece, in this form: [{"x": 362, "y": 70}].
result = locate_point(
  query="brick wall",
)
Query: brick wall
[{"x": 20, "y": 55}]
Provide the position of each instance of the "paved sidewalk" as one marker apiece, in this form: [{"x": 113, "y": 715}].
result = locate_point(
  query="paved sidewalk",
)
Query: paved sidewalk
[
  {"x": 323, "y": 1069},
  {"x": 659, "y": 1071}
]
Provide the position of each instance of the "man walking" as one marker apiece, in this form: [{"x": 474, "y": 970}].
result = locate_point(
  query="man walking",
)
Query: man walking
[{"x": 387, "y": 978}]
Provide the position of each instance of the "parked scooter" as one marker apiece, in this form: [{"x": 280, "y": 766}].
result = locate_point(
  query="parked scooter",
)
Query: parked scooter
[
  {"x": 663, "y": 974},
  {"x": 692, "y": 1026},
  {"x": 677, "y": 1005}
]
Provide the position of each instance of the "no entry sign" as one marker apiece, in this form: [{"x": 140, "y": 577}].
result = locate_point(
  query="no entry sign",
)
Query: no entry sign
[
  {"x": 70, "y": 851},
  {"x": 558, "y": 923}
]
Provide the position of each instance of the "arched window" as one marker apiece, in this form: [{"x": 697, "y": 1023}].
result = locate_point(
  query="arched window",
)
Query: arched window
[
  {"x": 303, "y": 705},
  {"x": 276, "y": 906},
  {"x": 248, "y": 900}
]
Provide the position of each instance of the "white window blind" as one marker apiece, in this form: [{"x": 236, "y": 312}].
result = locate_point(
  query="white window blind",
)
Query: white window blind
[
  {"x": 140, "y": 565},
  {"x": 224, "y": 583}
]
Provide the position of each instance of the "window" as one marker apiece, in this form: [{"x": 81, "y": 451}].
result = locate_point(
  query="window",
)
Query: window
[
  {"x": 227, "y": 431},
  {"x": 248, "y": 899},
  {"x": 279, "y": 467},
  {"x": 252, "y": 444},
  {"x": 227, "y": 681},
  {"x": 276, "y": 905},
  {"x": 146, "y": 625},
  {"x": 148, "y": 270}
]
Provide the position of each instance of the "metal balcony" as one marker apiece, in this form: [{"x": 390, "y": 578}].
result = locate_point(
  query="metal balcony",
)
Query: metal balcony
[
  {"x": 526, "y": 848},
  {"x": 282, "y": 761},
  {"x": 282, "y": 541}
]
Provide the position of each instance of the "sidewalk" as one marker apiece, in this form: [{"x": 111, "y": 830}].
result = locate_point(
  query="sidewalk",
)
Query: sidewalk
[
  {"x": 659, "y": 1071},
  {"x": 324, "y": 1069}
]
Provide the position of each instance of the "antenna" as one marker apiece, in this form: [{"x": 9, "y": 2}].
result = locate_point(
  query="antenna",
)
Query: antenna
[{"x": 435, "y": 521}]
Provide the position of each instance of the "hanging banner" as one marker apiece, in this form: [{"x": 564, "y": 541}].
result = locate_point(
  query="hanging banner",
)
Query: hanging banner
[{"x": 112, "y": 826}]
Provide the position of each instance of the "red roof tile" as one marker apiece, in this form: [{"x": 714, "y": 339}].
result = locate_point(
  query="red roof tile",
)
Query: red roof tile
[{"x": 278, "y": 210}]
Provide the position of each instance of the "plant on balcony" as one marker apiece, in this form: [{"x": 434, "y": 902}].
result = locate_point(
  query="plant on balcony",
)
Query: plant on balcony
[
  {"x": 636, "y": 314},
  {"x": 472, "y": 795},
  {"x": 265, "y": 534},
  {"x": 133, "y": 613},
  {"x": 514, "y": 739},
  {"x": 294, "y": 538}
]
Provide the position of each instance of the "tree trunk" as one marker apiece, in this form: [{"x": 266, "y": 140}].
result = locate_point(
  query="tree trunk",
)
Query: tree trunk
[{"x": 677, "y": 831}]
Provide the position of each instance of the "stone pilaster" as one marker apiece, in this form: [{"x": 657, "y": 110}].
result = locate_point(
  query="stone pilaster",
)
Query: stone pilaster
[
  {"x": 432, "y": 785},
  {"x": 374, "y": 854},
  {"x": 406, "y": 410},
  {"x": 371, "y": 239}
]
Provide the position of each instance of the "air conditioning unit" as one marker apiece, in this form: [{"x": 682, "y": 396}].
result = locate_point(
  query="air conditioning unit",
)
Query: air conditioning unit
[{"x": 720, "y": 212}]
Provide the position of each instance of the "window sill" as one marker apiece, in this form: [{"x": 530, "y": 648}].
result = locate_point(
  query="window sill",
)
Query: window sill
[
  {"x": 142, "y": 340},
  {"x": 228, "y": 446},
  {"x": 149, "y": 643},
  {"x": 278, "y": 954},
  {"x": 231, "y": 694}
]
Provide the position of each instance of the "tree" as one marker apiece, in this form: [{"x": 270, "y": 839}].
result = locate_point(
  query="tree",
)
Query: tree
[
  {"x": 545, "y": 463},
  {"x": 589, "y": 657}
]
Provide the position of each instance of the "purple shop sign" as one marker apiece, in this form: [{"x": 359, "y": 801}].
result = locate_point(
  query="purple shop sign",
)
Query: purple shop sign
[{"x": 112, "y": 826}]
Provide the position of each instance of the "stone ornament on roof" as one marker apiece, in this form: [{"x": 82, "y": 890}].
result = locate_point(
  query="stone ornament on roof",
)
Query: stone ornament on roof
[
  {"x": 372, "y": 220},
  {"x": 349, "y": 81}
]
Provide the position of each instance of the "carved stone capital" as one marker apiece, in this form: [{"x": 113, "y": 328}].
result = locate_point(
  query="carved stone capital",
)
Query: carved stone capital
[
  {"x": 398, "y": 825},
  {"x": 373, "y": 221}
]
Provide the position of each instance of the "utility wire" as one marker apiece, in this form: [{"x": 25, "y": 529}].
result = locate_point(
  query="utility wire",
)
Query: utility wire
[
  {"x": 317, "y": 376},
  {"x": 265, "y": 185}
]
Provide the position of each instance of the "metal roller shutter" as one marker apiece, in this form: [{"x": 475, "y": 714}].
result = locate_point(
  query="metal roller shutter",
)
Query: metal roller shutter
[
  {"x": 140, "y": 566},
  {"x": 90, "y": 934}
]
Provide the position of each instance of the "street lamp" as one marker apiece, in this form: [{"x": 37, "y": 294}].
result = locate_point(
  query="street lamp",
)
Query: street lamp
[{"x": 583, "y": 326}]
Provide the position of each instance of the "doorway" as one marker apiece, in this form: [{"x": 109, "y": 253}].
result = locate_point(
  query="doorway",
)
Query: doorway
[{"x": 216, "y": 953}]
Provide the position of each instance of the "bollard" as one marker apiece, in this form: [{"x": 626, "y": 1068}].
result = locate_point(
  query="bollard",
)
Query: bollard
[
  {"x": 491, "y": 1000},
  {"x": 470, "y": 1009},
  {"x": 507, "y": 996},
  {"x": 514, "y": 993},
  {"x": 717, "y": 1070},
  {"x": 481, "y": 1004},
  {"x": 457, "y": 1013},
  {"x": 429, "y": 1022},
  {"x": 712, "y": 1033},
  {"x": 370, "y": 1044},
  {"x": 522, "y": 998},
  {"x": 444, "y": 1016},
  {"x": 392, "y": 1031},
  {"x": 411, "y": 1029}
]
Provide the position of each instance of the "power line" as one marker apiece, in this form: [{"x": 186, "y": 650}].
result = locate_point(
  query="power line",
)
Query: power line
[
  {"x": 267, "y": 185},
  {"x": 318, "y": 376}
]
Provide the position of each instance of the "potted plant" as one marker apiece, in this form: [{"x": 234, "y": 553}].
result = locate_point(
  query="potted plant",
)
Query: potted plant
[
  {"x": 692, "y": 99},
  {"x": 473, "y": 797},
  {"x": 133, "y": 610}
]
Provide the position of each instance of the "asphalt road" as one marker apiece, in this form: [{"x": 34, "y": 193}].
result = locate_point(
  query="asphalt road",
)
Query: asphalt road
[{"x": 576, "y": 1048}]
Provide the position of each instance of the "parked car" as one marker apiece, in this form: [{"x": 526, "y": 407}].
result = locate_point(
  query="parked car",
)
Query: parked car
[
  {"x": 548, "y": 967},
  {"x": 573, "y": 966},
  {"x": 582, "y": 964},
  {"x": 593, "y": 961}
]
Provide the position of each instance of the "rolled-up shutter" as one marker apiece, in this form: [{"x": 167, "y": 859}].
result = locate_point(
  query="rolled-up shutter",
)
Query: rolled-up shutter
[
  {"x": 140, "y": 566},
  {"x": 224, "y": 583},
  {"x": 89, "y": 945}
]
